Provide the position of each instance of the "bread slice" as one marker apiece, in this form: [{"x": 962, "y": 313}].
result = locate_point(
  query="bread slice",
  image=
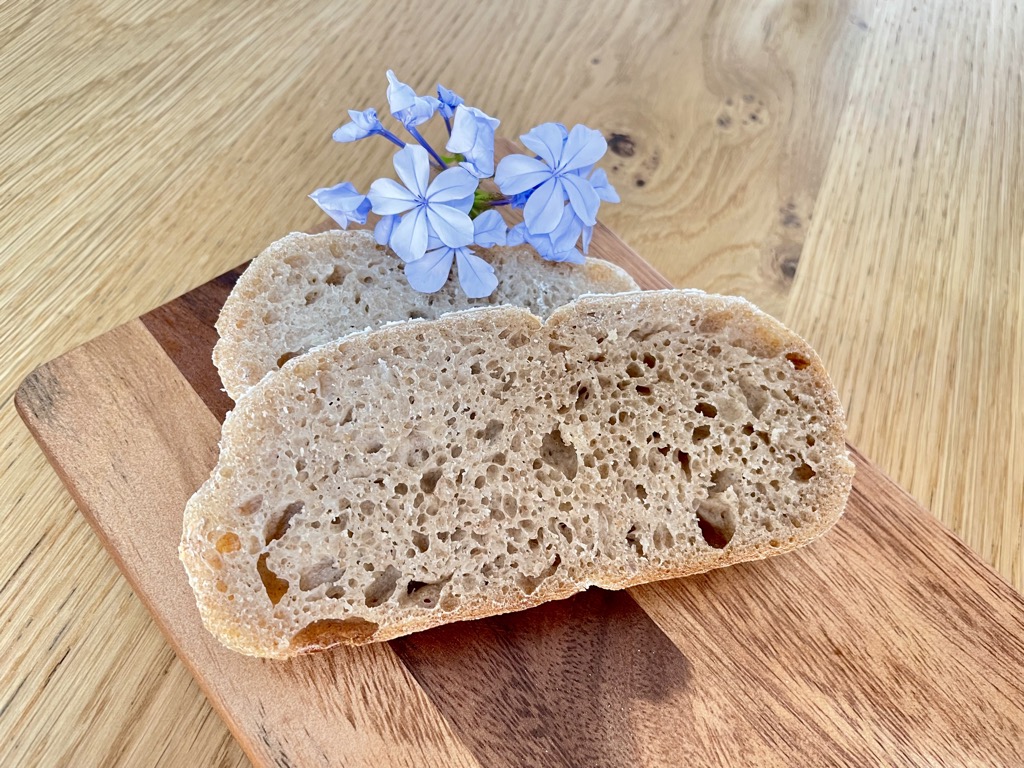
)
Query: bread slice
[
  {"x": 306, "y": 290},
  {"x": 485, "y": 462}
]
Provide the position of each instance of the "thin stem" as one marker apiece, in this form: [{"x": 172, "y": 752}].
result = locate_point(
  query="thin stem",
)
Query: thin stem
[
  {"x": 391, "y": 137},
  {"x": 500, "y": 201},
  {"x": 447, "y": 124},
  {"x": 423, "y": 142}
]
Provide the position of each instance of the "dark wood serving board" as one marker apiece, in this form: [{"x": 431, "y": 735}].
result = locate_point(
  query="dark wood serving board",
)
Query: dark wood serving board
[{"x": 885, "y": 642}]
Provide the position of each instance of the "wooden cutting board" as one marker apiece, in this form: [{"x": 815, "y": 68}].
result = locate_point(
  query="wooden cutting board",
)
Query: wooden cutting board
[{"x": 885, "y": 642}]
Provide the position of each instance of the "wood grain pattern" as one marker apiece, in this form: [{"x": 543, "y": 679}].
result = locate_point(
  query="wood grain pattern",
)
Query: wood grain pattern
[
  {"x": 147, "y": 147},
  {"x": 826, "y": 639},
  {"x": 932, "y": 201}
]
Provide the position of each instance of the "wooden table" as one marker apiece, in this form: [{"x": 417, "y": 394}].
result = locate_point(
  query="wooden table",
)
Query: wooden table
[{"x": 856, "y": 170}]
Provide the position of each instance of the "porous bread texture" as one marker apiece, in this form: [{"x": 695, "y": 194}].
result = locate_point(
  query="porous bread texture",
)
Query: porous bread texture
[
  {"x": 305, "y": 290},
  {"x": 486, "y": 462}
]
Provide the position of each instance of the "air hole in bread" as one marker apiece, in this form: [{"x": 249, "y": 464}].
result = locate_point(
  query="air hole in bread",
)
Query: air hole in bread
[
  {"x": 324, "y": 572},
  {"x": 754, "y": 394},
  {"x": 582, "y": 395},
  {"x": 338, "y": 274},
  {"x": 643, "y": 391},
  {"x": 416, "y": 314},
  {"x": 276, "y": 525},
  {"x": 717, "y": 521},
  {"x": 228, "y": 543},
  {"x": 634, "y": 370},
  {"x": 425, "y": 594},
  {"x": 428, "y": 481},
  {"x": 421, "y": 541},
  {"x": 514, "y": 339},
  {"x": 721, "y": 479},
  {"x": 286, "y": 357},
  {"x": 650, "y": 360},
  {"x": 707, "y": 409},
  {"x": 663, "y": 538},
  {"x": 276, "y": 587},
  {"x": 529, "y": 584},
  {"x": 382, "y": 587},
  {"x": 327, "y": 633},
  {"x": 492, "y": 430},
  {"x": 799, "y": 361},
  {"x": 250, "y": 506},
  {"x": 803, "y": 473},
  {"x": 700, "y": 433},
  {"x": 311, "y": 297},
  {"x": 633, "y": 540},
  {"x": 555, "y": 452},
  {"x": 557, "y": 348},
  {"x": 647, "y": 331}
]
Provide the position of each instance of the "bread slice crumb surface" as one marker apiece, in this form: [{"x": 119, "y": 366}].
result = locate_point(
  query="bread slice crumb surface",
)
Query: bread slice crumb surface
[
  {"x": 306, "y": 290},
  {"x": 489, "y": 461}
]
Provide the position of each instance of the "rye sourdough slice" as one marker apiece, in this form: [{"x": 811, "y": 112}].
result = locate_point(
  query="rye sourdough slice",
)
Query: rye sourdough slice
[
  {"x": 306, "y": 290},
  {"x": 485, "y": 462}
]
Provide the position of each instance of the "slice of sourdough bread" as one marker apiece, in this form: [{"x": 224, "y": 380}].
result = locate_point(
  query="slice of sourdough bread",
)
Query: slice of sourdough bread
[
  {"x": 485, "y": 462},
  {"x": 306, "y": 290}
]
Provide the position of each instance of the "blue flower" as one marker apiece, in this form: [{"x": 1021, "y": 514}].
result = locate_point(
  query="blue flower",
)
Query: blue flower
[
  {"x": 489, "y": 229},
  {"x": 343, "y": 203},
  {"x": 363, "y": 124},
  {"x": 449, "y": 100},
  {"x": 386, "y": 225},
  {"x": 441, "y": 209},
  {"x": 476, "y": 276},
  {"x": 408, "y": 108},
  {"x": 553, "y": 173},
  {"x": 560, "y": 243},
  {"x": 603, "y": 187},
  {"x": 473, "y": 138}
]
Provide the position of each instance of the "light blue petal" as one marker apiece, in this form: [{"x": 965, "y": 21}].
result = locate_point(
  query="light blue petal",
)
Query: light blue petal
[
  {"x": 452, "y": 184},
  {"x": 434, "y": 242},
  {"x": 449, "y": 101},
  {"x": 464, "y": 205},
  {"x": 543, "y": 210},
  {"x": 453, "y": 228},
  {"x": 473, "y": 137},
  {"x": 429, "y": 274},
  {"x": 387, "y": 196},
  {"x": 343, "y": 203},
  {"x": 412, "y": 164},
  {"x": 409, "y": 238},
  {"x": 382, "y": 232},
  {"x": 547, "y": 141},
  {"x": 585, "y": 146},
  {"x": 582, "y": 198},
  {"x": 400, "y": 95},
  {"x": 475, "y": 275},
  {"x": 349, "y": 132},
  {"x": 568, "y": 231},
  {"x": 518, "y": 173},
  {"x": 363, "y": 124},
  {"x": 603, "y": 187},
  {"x": 419, "y": 112},
  {"x": 588, "y": 232},
  {"x": 489, "y": 229},
  {"x": 517, "y": 235}
]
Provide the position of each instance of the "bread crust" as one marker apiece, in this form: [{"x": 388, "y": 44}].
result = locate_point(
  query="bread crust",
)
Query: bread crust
[{"x": 733, "y": 317}]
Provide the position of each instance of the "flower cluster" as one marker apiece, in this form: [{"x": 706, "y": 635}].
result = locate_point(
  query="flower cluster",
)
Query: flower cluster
[{"x": 439, "y": 210}]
